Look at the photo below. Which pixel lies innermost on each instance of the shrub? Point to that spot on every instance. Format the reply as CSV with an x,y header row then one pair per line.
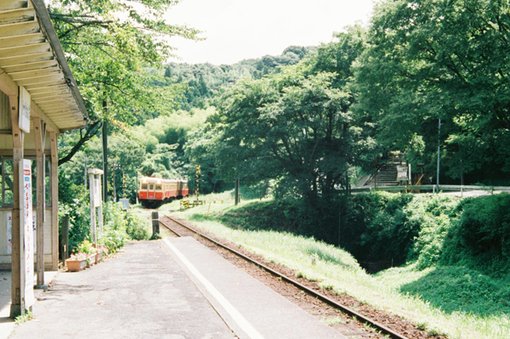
x,y
289,215
269,215
119,225
135,228
480,237
255,191
485,226
85,247
376,228
434,216
113,240
115,227
78,212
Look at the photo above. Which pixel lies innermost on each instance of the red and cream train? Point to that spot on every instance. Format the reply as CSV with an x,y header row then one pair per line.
x,y
153,192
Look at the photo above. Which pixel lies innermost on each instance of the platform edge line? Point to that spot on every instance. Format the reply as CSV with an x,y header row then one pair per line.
x,y
233,313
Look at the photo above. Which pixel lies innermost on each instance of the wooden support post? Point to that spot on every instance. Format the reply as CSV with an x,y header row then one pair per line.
x,y
105,153
155,224
54,200
64,248
237,197
17,157
40,199
100,221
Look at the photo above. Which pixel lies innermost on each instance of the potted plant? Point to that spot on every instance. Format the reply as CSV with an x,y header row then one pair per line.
x,y
101,252
84,257
77,262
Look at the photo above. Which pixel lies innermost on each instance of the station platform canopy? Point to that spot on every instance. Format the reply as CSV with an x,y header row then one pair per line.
x,y
39,98
31,56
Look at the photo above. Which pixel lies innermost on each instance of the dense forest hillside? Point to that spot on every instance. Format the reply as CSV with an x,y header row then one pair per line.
x,y
204,81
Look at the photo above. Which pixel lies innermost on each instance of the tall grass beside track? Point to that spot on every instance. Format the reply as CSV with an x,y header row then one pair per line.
x,y
429,297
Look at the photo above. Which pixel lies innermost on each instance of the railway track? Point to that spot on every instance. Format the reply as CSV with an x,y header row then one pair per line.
x,y
180,229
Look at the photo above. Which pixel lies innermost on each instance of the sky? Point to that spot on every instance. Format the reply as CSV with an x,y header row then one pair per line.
x,y
234,30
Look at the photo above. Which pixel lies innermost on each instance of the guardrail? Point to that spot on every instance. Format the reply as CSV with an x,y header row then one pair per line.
x,y
431,188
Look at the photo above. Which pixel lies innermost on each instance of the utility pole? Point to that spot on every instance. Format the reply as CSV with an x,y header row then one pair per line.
x,y
105,150
237,197
438,153
197,181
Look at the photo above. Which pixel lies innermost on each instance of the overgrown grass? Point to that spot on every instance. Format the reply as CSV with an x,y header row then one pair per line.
x,y
27,316
458,301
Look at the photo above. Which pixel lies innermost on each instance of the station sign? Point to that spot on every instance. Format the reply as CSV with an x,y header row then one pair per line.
x,y
28,236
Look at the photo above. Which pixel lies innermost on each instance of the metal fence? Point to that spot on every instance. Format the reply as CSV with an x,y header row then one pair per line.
x,y
431,188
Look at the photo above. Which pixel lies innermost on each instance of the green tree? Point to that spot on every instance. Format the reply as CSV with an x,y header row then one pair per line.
x,y
308,134
293,126
126,153
437,59
110,45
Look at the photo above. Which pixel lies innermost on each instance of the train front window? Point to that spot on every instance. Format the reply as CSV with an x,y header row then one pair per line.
x,y
144,186
158,187
151,187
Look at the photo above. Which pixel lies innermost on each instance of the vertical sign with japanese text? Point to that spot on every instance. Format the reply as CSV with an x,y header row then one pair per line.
x,y
28,234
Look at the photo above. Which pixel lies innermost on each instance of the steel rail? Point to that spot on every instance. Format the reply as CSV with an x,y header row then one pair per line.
x,y
385,330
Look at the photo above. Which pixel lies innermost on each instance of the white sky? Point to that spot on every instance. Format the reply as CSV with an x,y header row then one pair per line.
x,y
242,29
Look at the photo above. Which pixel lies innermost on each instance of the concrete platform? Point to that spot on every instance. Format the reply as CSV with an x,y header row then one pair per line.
x,y
156,289
140,293
251,308
6,323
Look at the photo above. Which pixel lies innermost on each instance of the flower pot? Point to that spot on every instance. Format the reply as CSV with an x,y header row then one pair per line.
x,y
76,265
99,257
91,260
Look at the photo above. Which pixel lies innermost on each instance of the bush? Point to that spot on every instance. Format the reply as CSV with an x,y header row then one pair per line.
x,y
115,227
267,215
288,215
255,191
388,229
135,227
392,229
480,237
118,227
376,228
85,247
78,212
485,226
434,216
